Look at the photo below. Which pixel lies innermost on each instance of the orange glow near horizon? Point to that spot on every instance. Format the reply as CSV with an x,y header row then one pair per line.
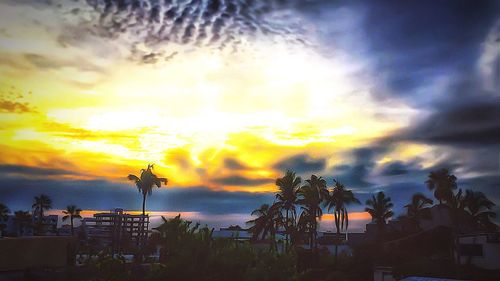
x,y
352,216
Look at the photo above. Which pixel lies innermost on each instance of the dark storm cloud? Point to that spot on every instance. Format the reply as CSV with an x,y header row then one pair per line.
x,y
474,122
301,163
415,42
220,202
357,173
18,193
27,171
395,168
236,180
234,164
489,185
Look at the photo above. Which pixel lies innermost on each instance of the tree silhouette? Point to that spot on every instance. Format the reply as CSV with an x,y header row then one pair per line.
x,y
417,210
4,216
145,184
266,224
443,184
478,206
312,195
42,203
379,208
22,219
286,199
71,212
338,200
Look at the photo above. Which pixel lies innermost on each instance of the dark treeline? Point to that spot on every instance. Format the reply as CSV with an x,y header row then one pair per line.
x,y
190,252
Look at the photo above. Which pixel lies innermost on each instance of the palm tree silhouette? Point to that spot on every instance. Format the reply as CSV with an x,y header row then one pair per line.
x,y
312,195
380,209
71,212
478,206
286,199
443,184
266,224
338,201
145,185
4,216
42,203
417,209
22,219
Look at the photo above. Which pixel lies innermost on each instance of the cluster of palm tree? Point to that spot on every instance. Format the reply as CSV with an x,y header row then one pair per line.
x,y
72,212
472,208
380,208
311,197
41,204
24,220
298,207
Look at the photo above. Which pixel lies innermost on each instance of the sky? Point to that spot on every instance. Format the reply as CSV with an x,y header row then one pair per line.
x,y
225,96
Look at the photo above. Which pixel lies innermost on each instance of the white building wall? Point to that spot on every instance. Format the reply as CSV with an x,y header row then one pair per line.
x,y
491,252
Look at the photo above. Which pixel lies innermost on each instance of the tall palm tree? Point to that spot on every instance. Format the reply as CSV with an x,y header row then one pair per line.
x,y
266,223
312,195
443,184
338,200
379,208
418,209
286,199
145,184
42,203
4,216
478,206
22,219
72,212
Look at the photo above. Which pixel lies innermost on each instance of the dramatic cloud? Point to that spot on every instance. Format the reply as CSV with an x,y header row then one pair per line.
x,y
470,122
234,164
302,163
241,181
227,95
18,193
357,173
148,26
396,168
9,170
416,45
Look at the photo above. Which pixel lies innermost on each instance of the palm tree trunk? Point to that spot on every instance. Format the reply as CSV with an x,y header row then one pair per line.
x,y
40,221
141,232
143,204
338,234
286,230
72,230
